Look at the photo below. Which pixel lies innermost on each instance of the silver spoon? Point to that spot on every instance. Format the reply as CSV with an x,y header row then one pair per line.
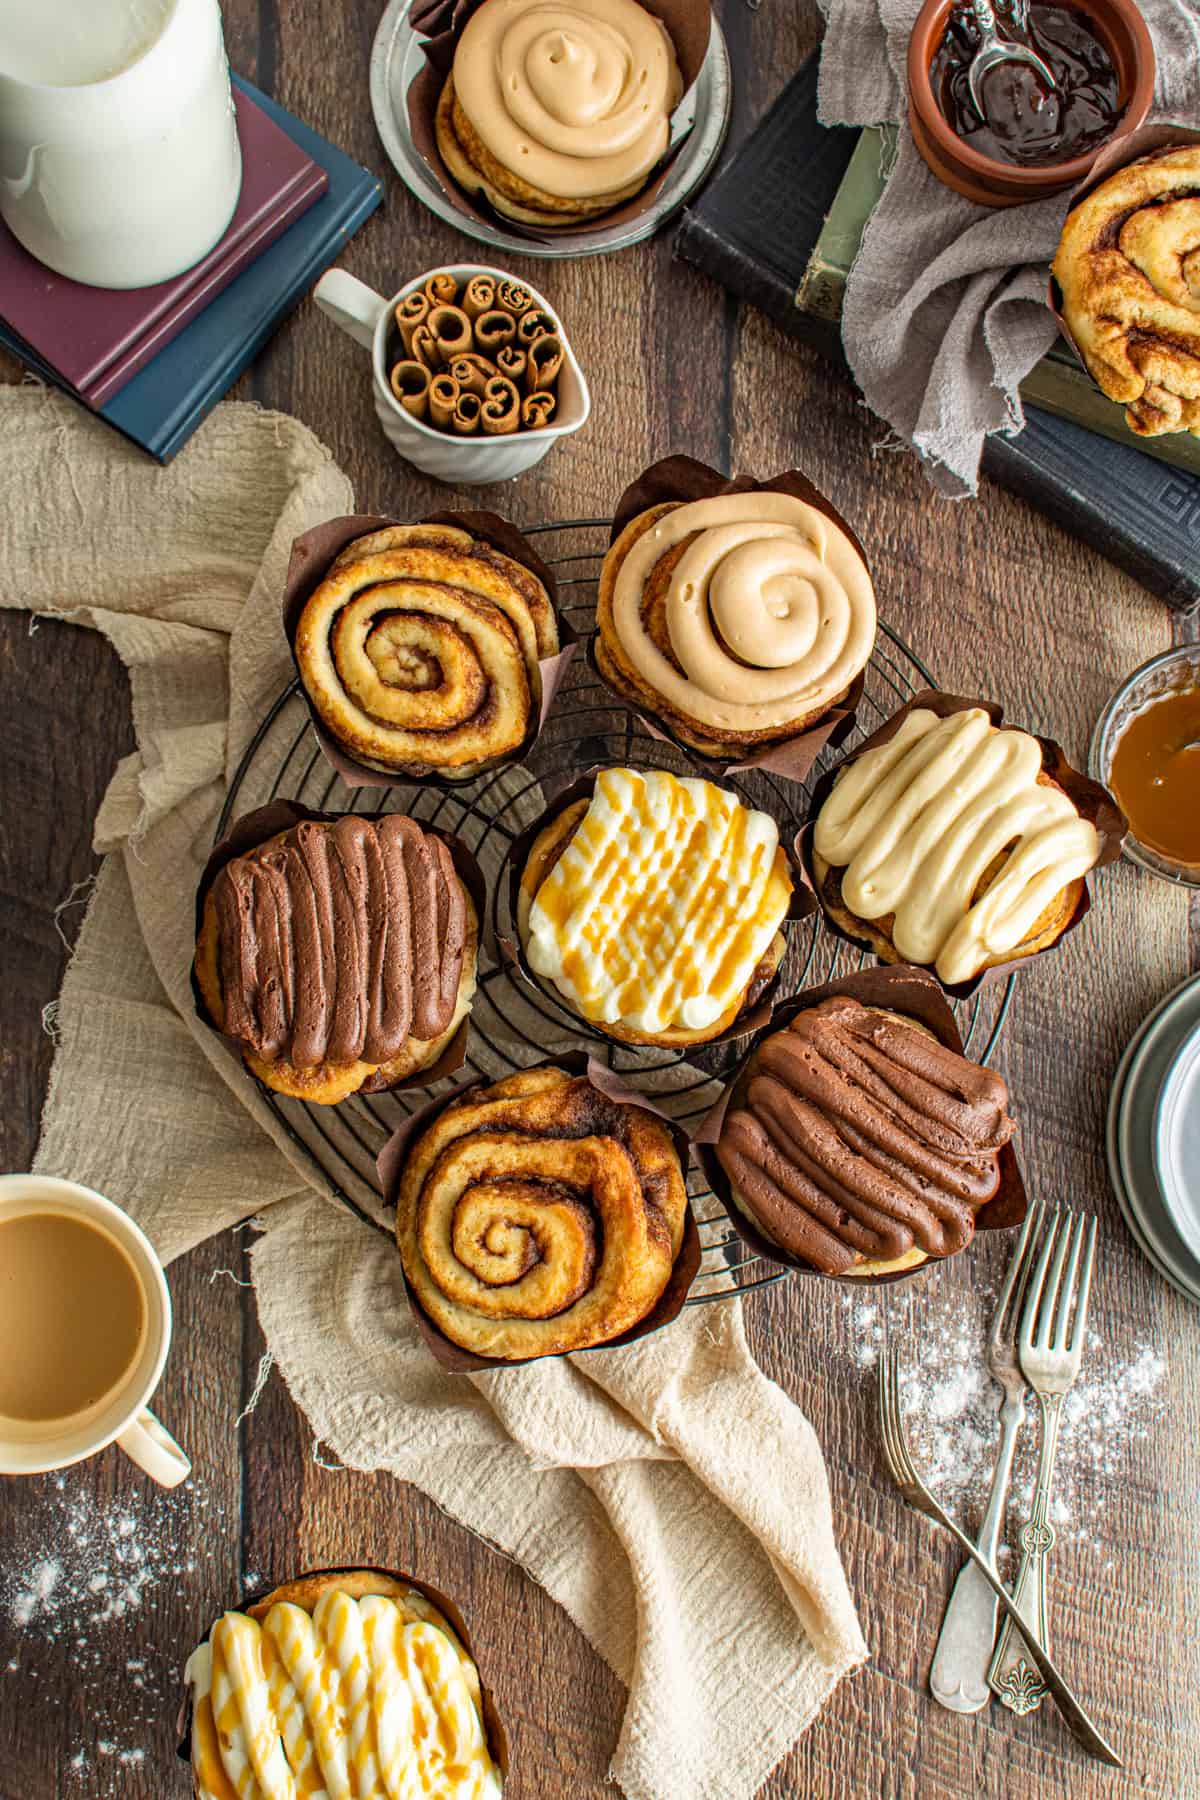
x,y
994,49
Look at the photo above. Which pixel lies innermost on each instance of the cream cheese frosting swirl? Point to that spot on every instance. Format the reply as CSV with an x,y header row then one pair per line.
x,y
359,1701
916,822
770,611
575,96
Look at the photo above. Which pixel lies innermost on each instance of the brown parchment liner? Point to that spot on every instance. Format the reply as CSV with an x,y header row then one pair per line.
x,y
684,479
390,1165
563,792
1149,140
494,1732
1090,800
313,554
897,987
254,828
439,23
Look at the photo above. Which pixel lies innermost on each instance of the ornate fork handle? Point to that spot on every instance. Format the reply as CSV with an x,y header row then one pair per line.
x,y
1012,1676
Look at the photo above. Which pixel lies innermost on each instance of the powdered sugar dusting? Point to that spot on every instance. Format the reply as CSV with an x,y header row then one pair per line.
x,y
80,1572
951,1404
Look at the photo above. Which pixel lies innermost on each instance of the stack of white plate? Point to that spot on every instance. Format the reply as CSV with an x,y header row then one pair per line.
x,y
1154,1137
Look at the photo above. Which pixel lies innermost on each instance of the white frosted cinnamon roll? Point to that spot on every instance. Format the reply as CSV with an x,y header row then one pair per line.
x,y
738,620
556,110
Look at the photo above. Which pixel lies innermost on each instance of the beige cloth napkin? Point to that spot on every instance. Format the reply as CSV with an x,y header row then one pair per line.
x,y
668,1495
945,310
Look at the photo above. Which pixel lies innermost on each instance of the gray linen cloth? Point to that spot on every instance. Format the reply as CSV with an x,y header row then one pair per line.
x,y
945,309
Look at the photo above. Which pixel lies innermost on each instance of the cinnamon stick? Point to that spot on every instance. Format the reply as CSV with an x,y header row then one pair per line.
x,y
410,384
538,410
472,371
466,414
510,362
493,330
444,397
423,348
441,288
501,412
410,312
452,331
479,296
545,358
513,299
534,324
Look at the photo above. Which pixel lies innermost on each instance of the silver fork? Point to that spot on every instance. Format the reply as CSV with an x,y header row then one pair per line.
x,y
896,1454
1050,1349
958,1678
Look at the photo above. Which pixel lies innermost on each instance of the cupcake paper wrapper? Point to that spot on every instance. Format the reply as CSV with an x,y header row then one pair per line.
x,y
314,552
497,1737
390,1166
563,792
899,988
1092,801
684,479
440,23
254,828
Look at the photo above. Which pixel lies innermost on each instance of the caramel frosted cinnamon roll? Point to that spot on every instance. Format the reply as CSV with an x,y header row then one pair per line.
x,y
557,110
1128,266
339,956
861,1143
419,650
332,1673
738,620
654,907
538,1216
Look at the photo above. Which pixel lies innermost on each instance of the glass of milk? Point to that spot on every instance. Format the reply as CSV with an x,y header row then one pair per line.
x,y
119,157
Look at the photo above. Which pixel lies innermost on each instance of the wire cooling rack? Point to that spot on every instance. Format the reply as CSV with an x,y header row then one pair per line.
x,y
511,1026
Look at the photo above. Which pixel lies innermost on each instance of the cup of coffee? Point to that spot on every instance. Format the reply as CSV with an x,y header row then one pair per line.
x,y
85,1325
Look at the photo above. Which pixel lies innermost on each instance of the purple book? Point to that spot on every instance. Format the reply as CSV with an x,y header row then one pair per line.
x,y
98,338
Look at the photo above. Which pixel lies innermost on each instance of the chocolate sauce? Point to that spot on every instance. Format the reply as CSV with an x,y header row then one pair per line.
x,y
1024,123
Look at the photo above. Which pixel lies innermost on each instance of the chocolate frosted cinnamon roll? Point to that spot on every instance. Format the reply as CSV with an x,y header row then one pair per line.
x,y
557,112
538,1216
862,1144
1128,266
339,956
419,650
737,620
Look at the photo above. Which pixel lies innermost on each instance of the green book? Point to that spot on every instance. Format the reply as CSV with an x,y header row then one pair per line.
x,y
1059,384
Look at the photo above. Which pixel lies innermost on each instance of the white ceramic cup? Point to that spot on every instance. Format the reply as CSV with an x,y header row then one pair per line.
x,y
120,164
463,461
121,1416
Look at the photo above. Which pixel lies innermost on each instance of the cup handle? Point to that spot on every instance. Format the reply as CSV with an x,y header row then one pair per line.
x,y
154,1449
351,304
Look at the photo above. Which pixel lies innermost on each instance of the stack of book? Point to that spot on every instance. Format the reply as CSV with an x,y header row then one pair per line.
x,y
781,226
152,362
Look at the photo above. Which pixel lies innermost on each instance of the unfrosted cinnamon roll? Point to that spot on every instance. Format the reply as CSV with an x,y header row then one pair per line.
x,y
1128,267
352,1670
557,110
339,956
738,620
860,1144
538,1216
419,650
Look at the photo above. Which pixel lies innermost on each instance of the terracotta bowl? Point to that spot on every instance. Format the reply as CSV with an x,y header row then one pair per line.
x,y
982,178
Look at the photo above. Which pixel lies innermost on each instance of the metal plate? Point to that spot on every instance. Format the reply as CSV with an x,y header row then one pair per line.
x,y
512,1028
699,125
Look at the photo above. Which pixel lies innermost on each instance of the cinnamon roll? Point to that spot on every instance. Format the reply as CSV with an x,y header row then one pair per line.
x,y
557,110
951,846
351,1670
419,650
338,956
1128,267
538,1216
653,909
860,1144
736,620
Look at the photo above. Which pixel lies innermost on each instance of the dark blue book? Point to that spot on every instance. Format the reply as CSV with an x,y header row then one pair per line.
x,y
162,405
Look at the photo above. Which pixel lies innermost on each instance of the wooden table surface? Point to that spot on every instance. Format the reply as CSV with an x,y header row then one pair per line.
x,y
991,596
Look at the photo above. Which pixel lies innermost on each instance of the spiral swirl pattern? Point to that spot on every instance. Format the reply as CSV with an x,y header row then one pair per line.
x,y
420,650
1128,266
538,1216
741,618
572,98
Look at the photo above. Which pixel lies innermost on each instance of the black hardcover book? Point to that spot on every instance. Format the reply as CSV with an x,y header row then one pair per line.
x,y
754,229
